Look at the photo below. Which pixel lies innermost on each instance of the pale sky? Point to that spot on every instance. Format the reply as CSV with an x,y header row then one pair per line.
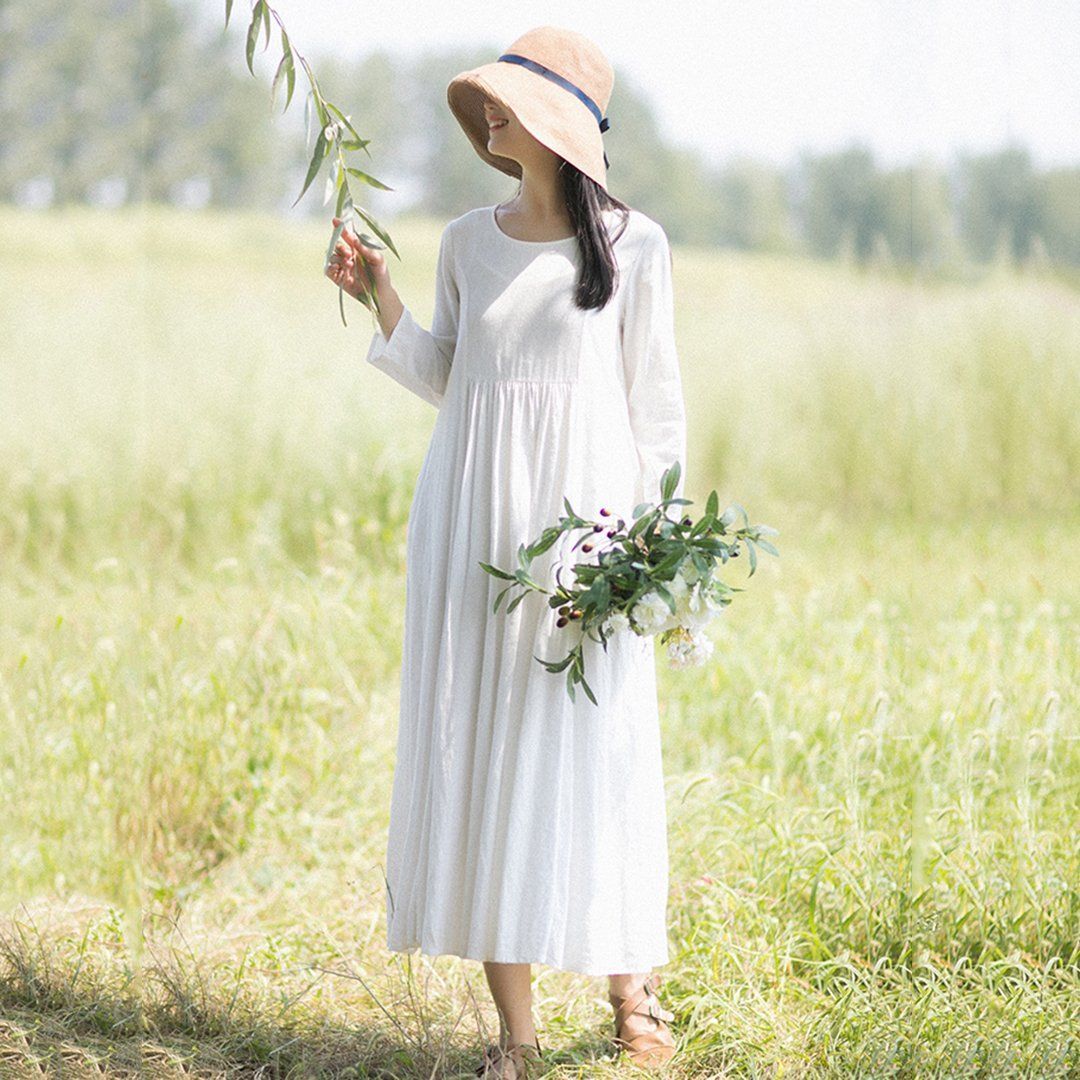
x,y
769,78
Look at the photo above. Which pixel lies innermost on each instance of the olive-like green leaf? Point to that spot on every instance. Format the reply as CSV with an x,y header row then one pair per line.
x,y
669,481
547,539
496,572
670,563
588,690
555,666
228,11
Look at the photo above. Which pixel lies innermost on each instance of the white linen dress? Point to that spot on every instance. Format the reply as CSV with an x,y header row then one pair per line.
x,y
526,827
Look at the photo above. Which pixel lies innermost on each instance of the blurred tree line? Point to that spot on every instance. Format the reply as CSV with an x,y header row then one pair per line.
x,y
116,101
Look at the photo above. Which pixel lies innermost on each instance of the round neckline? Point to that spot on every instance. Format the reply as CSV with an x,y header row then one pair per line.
x,y
528,243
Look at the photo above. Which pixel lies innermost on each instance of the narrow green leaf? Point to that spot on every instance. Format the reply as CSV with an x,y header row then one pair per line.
x,y
253,35
342,199
316,93
669,481
495,571
321,148
228,11
588,690
555,666
343,118
290,68
335,236
377,229
290,81
369,180
277,79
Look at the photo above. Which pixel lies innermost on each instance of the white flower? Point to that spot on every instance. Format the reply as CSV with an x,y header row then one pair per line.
x,y
652,613
689,649
615,622
700,607
677,650
702,648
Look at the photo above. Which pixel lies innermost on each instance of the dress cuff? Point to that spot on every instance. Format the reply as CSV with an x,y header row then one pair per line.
x,y
387,354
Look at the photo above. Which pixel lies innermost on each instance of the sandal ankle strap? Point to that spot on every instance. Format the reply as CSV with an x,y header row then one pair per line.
x,y
645,996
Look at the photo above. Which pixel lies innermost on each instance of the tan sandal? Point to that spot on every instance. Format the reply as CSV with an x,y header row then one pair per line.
x,y
653,1047
508,1063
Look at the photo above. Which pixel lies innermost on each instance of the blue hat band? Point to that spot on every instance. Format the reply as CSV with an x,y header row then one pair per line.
x,y
566,84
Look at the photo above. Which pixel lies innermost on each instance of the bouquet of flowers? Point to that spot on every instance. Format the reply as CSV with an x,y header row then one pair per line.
x,y
657,577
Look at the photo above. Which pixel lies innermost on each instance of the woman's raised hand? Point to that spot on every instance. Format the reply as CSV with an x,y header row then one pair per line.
x,y
357,268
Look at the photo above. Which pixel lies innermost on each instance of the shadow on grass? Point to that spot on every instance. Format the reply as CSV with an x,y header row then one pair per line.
x,y
72,1008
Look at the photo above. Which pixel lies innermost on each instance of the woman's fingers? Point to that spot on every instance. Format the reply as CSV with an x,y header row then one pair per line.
x,y
347,236
355,244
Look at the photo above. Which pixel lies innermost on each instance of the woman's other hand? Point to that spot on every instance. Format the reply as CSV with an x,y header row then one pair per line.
x,y
357,268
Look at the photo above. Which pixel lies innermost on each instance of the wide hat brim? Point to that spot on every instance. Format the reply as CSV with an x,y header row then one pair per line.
x,y
554,116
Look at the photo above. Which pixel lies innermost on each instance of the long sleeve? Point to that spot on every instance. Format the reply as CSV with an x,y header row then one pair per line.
x,y
651,367
419,359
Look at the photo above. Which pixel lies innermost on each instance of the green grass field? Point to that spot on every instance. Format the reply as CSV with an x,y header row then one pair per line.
x,y
873,789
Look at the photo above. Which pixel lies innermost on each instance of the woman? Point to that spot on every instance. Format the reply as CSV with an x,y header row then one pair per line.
x,y
526,827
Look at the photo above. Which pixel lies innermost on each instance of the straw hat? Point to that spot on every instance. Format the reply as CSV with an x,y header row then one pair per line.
x,y
558,84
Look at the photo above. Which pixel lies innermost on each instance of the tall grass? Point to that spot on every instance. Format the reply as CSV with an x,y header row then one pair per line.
x,y
872,790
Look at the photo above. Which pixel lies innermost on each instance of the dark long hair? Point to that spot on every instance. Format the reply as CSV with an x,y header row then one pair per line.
x,y
585,202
